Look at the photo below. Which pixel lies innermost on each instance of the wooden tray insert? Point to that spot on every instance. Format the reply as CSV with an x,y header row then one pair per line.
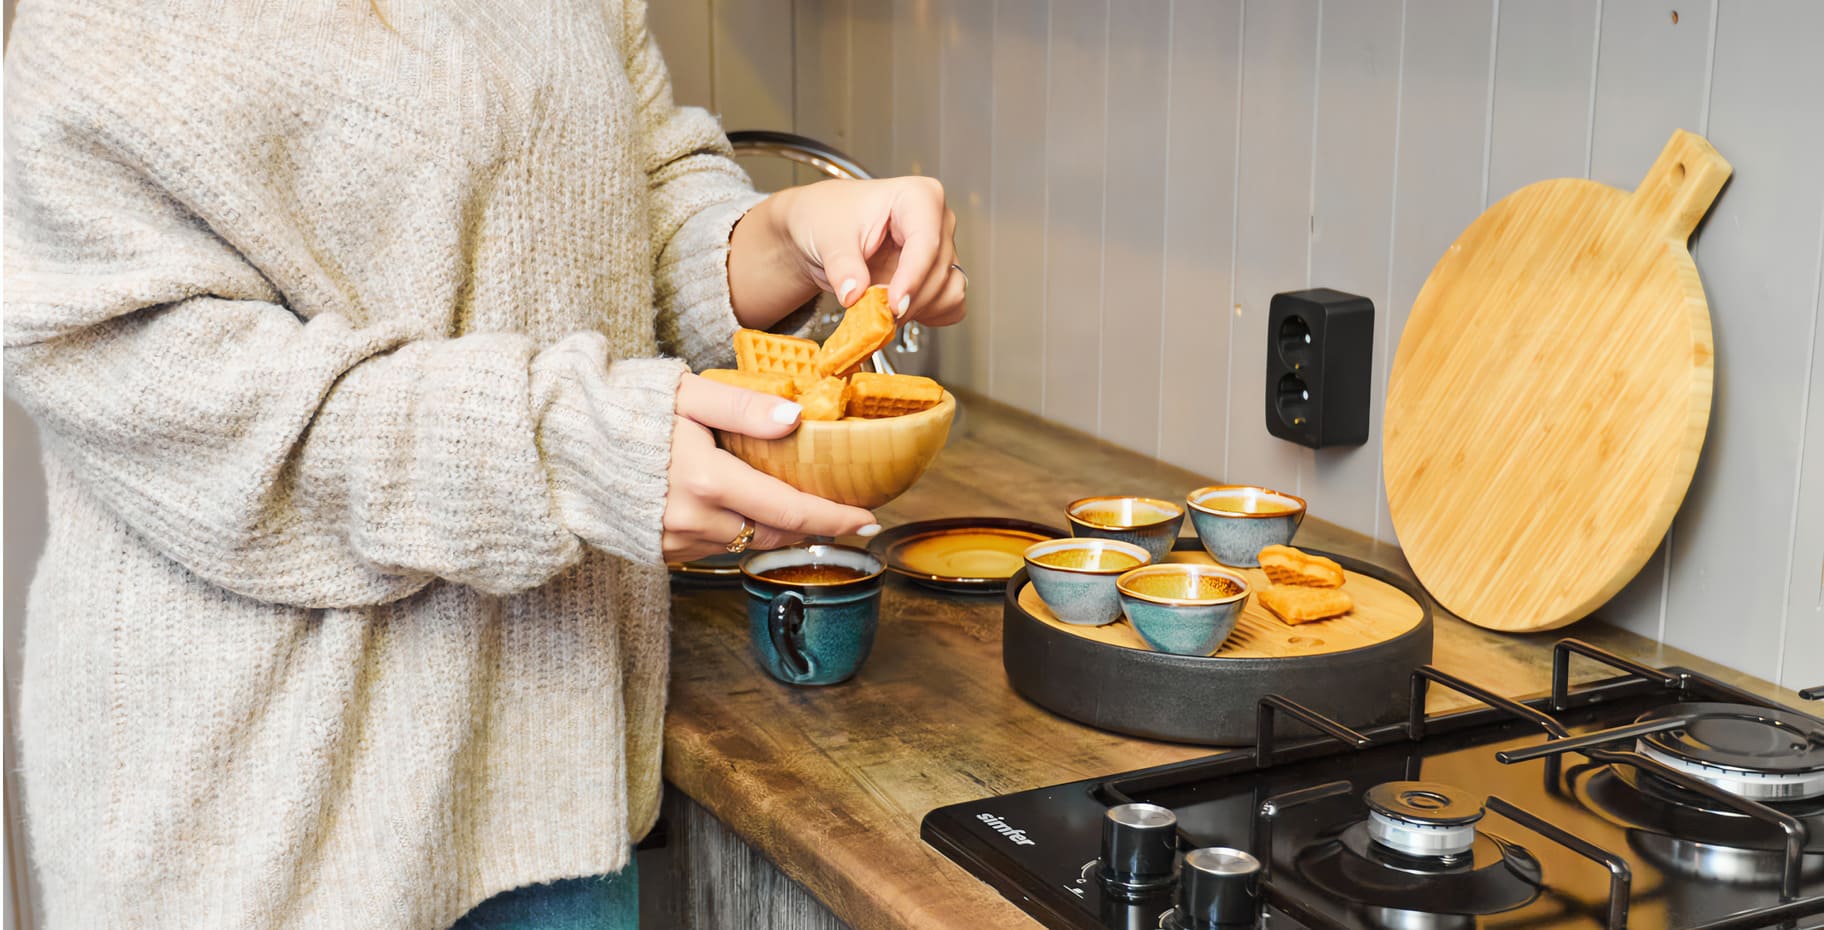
x,y
1381,613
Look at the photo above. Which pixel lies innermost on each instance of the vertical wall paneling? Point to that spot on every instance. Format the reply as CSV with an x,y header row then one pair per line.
x,y
1352,219
1759,262
870,84
1802,653
1134,223
1652,77
1442,148
1076,112
966,35
820,70
917,87
1279,92
751,57
1018,236
682,30
1200,147
1544,73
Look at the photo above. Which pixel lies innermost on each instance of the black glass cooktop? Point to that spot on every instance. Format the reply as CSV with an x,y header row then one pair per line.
x,y
1585,838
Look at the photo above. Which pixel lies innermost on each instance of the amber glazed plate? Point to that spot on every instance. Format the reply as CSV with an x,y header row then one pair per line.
x,y
966,555
721,569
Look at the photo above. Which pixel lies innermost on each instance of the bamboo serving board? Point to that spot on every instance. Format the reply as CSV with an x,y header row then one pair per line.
x,y
1550,394
1381,613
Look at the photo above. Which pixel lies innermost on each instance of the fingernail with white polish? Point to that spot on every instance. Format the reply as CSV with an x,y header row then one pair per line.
x,y
787,412
872,529
847,286
905,303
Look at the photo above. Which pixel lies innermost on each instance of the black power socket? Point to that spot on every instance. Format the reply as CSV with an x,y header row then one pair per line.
x,y
1320,362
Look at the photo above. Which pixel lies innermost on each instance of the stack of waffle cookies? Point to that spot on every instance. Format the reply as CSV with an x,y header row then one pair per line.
x,y
1304,587
827,380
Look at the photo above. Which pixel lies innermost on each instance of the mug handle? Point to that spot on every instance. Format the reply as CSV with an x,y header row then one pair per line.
x,y
785,624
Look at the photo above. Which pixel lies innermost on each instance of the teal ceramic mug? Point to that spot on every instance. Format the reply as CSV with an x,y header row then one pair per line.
x,y
812,610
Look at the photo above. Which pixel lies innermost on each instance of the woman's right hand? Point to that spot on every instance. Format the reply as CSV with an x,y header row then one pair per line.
x,y
712,493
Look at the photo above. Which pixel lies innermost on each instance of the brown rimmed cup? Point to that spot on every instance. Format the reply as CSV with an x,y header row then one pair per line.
x,y
1147,522
1184,608
1076,577
1236,521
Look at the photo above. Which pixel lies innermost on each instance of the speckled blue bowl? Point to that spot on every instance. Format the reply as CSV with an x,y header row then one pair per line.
x,y
1169,609
1082,591
1147,522
1236,521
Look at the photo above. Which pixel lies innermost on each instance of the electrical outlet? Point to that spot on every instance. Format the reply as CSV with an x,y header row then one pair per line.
x,y
1320,362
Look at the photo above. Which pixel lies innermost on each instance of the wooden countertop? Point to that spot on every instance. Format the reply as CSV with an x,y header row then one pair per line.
x,y
831,783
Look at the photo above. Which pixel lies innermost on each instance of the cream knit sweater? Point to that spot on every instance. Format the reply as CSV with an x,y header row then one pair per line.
x,y
344,331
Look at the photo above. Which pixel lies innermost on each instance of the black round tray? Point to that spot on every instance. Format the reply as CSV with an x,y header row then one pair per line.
x,y
1208,700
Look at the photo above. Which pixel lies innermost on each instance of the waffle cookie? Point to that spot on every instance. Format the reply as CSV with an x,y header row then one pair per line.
x,y
764,382
771,353
1297,604
865,328
876,396
825,400
1286,565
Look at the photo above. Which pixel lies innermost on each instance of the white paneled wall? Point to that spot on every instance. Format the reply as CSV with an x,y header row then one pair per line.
x,y
1135,180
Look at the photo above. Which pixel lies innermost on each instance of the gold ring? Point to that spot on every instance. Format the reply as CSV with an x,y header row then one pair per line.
x,y
743,538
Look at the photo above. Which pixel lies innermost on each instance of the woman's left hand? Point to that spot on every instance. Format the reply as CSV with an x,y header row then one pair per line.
x,y
843,236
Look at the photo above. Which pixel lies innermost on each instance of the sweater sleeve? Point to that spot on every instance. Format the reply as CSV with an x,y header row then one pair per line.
x,y
697,195
326,462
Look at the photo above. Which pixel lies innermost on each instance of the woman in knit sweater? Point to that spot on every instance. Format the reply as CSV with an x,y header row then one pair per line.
x,y
358,337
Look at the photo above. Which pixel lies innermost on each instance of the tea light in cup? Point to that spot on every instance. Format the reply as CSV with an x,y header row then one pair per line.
x,y
1076,577
1147,522
1235,522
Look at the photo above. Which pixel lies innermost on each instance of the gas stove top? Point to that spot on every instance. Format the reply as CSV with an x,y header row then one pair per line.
x,y
1660,798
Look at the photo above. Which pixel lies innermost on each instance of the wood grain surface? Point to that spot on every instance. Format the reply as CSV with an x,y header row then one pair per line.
x,y
1551,392
831,783
1381,613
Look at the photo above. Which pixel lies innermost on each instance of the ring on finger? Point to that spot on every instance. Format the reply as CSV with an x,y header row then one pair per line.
x,y
744,538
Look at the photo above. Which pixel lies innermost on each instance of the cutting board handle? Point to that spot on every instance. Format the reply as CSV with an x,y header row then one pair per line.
x,y
1682,183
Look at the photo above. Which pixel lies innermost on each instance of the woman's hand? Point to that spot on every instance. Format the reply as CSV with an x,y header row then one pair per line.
x,y
714,495
842,236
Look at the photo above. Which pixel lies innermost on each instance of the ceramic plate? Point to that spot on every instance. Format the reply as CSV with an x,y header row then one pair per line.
x,y
716,569
968,555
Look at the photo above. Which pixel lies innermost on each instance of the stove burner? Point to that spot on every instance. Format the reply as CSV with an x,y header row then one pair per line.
x,y
1636,800
1422,818
1490,877
1732,865
1760,753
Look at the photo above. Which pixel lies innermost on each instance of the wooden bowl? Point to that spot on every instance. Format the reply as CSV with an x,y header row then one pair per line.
x,y
863,463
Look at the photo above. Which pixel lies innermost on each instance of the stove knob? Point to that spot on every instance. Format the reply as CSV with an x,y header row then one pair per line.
x,y
1217,889
1139,847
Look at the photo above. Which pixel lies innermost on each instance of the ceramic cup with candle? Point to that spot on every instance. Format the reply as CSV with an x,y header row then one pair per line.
x,y
812,610
1185,608
1076,577
1147,522
1235,522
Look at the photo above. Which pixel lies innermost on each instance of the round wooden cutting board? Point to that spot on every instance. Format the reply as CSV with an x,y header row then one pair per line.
x,y
1550,394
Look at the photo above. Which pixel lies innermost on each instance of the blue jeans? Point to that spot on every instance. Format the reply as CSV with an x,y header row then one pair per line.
x,y
605,902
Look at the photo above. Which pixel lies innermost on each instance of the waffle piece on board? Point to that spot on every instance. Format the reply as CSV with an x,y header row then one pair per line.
x,y
1286,565
825,400
876,396
764,382
1297,604
771,353
865,328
